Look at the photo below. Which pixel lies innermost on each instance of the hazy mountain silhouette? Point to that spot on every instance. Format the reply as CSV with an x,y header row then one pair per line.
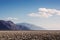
x,y
31,26
9,25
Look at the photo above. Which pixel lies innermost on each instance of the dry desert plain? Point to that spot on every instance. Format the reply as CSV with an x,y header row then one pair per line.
x,y
30,35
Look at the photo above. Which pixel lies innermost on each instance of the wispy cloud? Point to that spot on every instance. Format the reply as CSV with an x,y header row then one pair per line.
x,y
15,20
11,18
44,12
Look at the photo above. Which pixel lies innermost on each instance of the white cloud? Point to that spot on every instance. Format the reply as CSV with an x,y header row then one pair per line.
x,y
10,18
15,20
44,12
34,15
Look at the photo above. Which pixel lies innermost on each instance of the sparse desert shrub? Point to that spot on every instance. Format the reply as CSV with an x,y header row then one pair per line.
x,y
29,35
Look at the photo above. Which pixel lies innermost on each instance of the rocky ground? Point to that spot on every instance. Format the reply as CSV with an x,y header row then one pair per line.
x,y
29,35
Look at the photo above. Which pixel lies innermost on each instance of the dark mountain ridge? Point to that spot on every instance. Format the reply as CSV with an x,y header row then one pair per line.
x,y
9,25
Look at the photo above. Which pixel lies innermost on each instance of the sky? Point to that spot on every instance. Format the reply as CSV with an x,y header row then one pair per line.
x,y
43,13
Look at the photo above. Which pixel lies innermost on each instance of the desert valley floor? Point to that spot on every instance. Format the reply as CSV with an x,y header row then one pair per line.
x,y
30,35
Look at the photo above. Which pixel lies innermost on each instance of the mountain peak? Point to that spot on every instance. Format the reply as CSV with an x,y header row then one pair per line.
x,y
9,25
31,26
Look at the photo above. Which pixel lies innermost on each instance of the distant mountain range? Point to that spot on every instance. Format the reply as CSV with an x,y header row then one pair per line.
x,y
9,25
30,26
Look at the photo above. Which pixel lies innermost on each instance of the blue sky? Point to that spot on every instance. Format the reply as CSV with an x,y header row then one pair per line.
x,y
45,13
